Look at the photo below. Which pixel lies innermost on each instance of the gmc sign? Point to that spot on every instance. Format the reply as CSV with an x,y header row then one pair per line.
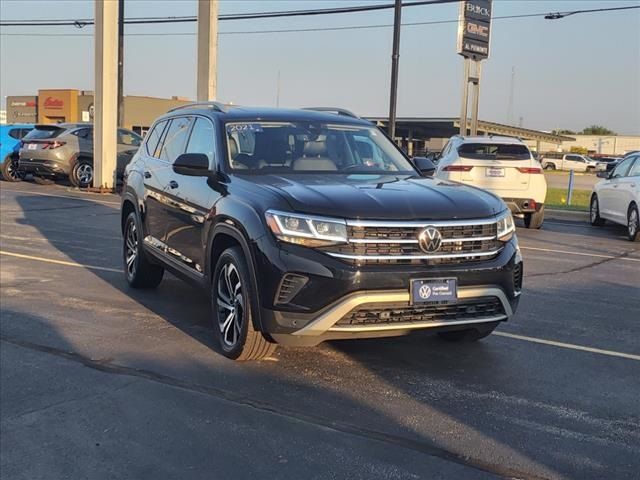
x,y
474,29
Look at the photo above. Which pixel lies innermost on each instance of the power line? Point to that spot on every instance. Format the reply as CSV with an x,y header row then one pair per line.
x,y
292,30
245,16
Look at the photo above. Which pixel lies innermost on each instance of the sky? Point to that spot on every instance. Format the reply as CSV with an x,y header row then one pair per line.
x,y
569,73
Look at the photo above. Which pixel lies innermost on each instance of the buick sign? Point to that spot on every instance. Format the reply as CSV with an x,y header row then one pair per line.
x,y
474,29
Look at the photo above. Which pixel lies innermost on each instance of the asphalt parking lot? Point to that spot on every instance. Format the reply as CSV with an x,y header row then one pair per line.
x,y
102,382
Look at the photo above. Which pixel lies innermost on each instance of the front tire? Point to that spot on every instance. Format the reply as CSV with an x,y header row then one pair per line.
x,y
594,212
10,172
633,223
232,305
139,272
82,174
534,220
469,335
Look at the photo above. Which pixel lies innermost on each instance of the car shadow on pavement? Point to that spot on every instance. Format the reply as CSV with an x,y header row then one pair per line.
x,y
446,401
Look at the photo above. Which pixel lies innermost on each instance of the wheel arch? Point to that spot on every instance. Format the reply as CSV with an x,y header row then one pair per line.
x,y
225,235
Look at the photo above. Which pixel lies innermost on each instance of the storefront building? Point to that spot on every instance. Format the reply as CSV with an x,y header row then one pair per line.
x,y
73,106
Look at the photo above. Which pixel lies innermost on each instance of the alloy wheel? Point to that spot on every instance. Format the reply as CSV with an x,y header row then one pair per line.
x,y
131,250
12,170
85,173
230,303
633,222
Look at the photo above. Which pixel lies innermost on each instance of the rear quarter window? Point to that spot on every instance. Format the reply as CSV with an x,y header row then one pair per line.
x,y
494,151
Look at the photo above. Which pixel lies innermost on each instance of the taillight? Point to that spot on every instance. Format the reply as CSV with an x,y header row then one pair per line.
x,y
458,168
532,170
52,145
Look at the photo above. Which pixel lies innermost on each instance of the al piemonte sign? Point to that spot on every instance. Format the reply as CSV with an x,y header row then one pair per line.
x,y
53,103
474,29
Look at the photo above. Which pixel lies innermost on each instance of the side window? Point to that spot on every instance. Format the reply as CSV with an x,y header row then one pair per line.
x,y
15,133
24,131
202,139
128,138
575,158
176,138
84,133
623,168
635,169
153,137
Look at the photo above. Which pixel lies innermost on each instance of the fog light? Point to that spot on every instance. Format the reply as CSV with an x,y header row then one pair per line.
x,y
290,286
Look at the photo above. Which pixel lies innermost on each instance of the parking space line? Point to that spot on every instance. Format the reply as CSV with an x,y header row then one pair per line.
x,y
59,262
613,257
570,346
4,189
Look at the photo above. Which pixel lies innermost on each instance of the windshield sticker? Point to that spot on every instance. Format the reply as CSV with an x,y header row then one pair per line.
x,y
244,127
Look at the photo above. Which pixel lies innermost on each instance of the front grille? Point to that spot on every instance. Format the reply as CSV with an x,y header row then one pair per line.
x,y
389,314
397,243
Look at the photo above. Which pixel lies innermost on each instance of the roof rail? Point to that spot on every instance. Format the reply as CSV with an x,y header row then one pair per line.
x,y
336,110
217,106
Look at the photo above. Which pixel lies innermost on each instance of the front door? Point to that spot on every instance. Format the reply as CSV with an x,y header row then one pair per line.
x,y
185,238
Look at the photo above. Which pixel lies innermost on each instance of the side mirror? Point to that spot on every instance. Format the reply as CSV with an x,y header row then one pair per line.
x,y
192,165
424,166
603,174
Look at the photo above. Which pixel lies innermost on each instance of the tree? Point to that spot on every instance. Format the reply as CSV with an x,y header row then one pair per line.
x,y
597,130
563,131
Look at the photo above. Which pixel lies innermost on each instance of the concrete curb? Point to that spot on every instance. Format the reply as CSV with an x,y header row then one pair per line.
x,y
567,214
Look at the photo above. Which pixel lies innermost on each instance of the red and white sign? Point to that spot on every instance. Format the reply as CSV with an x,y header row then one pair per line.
x,y
53,103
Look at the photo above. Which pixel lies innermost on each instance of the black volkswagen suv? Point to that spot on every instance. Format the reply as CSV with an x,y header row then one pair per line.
x,y
309,225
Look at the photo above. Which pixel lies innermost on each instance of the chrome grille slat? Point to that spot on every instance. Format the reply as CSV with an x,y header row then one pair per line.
x,y
374,242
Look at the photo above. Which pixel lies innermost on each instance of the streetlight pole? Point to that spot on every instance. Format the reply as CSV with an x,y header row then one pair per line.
x,y
395,58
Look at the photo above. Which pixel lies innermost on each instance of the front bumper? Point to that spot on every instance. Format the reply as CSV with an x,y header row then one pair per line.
x,y
338,295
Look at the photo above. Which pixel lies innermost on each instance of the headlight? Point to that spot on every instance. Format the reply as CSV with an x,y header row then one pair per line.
x,y
506,227
305,229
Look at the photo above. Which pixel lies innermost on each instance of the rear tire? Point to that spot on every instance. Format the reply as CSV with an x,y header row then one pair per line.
x,y
232,305
549,166
594,212
10,172
534,220
139,272
82,174
469,335
633,223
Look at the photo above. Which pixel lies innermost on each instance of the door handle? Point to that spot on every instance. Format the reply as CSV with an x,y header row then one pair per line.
x,y
173,184
615,186
633,185
147,174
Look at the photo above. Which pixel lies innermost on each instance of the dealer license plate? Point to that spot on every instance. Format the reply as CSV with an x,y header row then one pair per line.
x,y
32,146
434,290
495,172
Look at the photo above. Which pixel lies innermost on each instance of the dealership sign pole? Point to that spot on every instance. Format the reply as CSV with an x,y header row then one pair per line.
x,y
474,34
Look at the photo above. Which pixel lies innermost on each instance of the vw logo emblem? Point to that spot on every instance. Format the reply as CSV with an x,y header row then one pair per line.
x,y
424,292
430,240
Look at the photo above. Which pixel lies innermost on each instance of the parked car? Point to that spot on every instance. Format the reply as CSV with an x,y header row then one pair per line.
x,y
568,161
10,136
617,197
606,164
502,165
66,150
300,235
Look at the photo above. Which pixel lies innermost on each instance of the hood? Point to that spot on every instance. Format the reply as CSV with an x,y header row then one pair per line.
x,y
377,197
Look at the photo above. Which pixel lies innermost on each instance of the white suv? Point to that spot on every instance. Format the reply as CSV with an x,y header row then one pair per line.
x,y
502,165
617,198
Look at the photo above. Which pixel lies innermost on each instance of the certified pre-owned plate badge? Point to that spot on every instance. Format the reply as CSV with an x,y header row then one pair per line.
x,y
439,290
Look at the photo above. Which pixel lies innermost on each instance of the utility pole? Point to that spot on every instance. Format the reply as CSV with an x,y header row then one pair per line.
x,y
510,114
278,91
121,63
207,50
395,58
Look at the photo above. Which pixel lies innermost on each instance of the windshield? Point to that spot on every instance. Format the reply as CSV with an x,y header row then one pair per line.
x,y
493,151
303,147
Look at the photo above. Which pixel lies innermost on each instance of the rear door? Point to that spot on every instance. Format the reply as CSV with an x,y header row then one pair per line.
x,y
128,144
626,188
575,162
498,167
156,178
